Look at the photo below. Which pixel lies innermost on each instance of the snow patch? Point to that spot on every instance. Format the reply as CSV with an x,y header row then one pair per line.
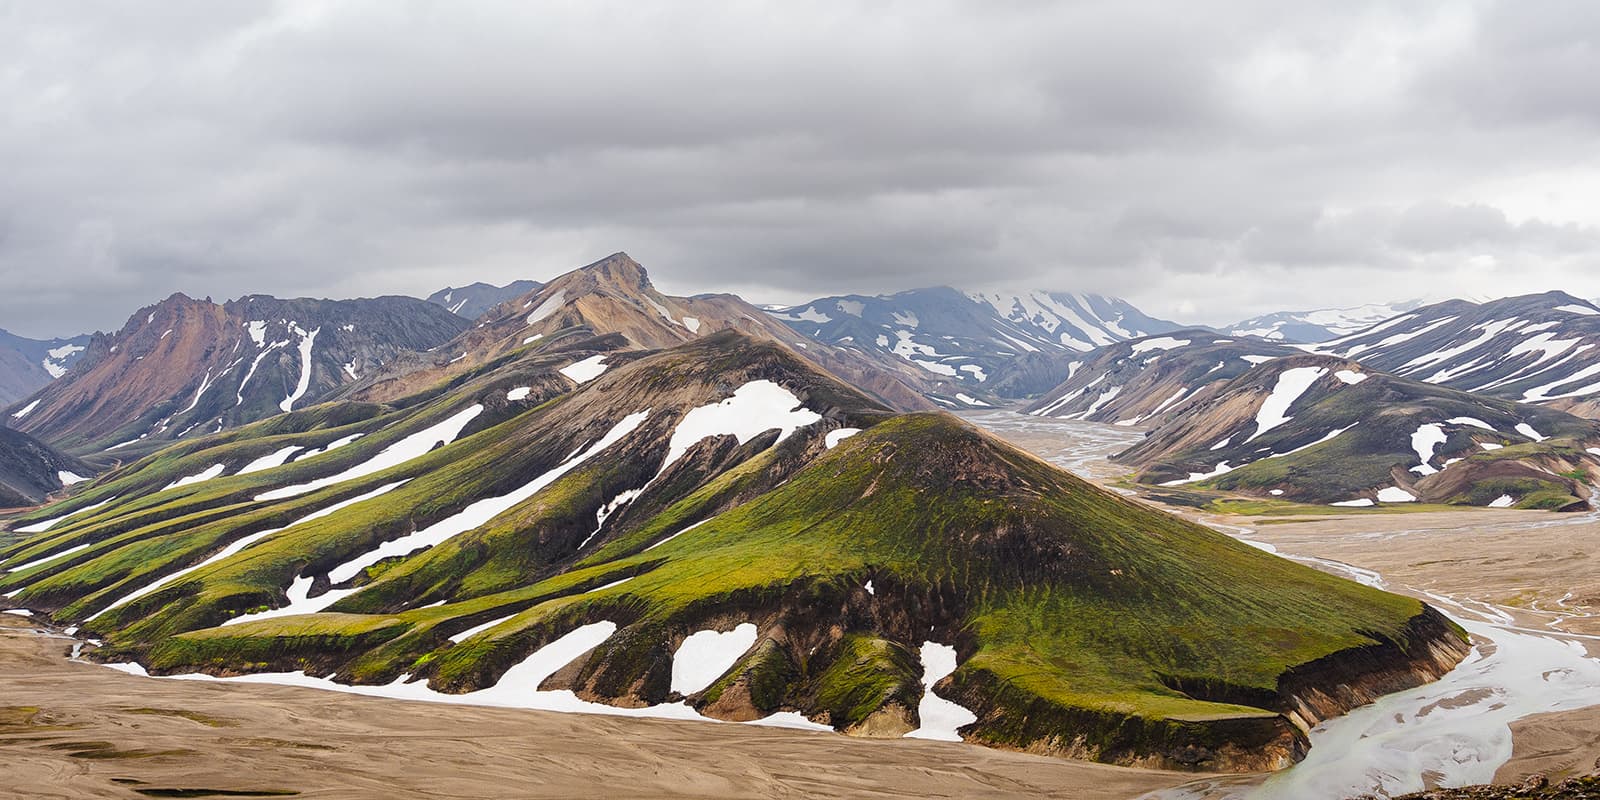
x,y
1159,343
49,558
1395,494
277,458
480,512
1291,384
300,387
837,435
1527,430
940,717
754,408
1350,376
519,393
1357,503
705,655
1503,501
25,410
585,370
1425,440
68,477
417,444
200,477
551,305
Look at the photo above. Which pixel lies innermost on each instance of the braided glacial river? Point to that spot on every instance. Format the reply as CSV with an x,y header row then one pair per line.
x,y
1516,581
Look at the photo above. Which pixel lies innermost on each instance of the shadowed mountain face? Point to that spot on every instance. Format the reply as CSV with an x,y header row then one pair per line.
x,y
185,368
1320,429
993,344
614,296
1539,348
30,470
721,525
28,364
472,300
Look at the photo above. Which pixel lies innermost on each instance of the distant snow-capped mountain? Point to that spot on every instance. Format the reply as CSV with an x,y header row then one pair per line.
x,y
27,364
1542,348
1319,325
472,300
1005,343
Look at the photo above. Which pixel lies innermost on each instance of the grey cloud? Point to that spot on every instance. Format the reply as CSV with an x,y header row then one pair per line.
x,y
1208,162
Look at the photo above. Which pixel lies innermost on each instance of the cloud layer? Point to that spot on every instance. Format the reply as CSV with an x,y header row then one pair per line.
x,y
1207,161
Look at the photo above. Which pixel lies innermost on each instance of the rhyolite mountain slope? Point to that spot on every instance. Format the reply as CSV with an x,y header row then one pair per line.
x,y
472,300
1149,380
717,529
1320,429
614,296
31,470
1319,325
1537,348
186,367
27,364
1006,344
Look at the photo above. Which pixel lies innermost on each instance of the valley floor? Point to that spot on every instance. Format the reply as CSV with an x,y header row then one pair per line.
x,y
76,730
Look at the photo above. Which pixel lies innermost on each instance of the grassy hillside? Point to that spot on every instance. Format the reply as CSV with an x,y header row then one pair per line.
x,y
1084,624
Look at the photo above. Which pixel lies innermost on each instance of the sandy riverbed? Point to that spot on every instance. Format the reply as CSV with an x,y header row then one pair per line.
x,y
74,730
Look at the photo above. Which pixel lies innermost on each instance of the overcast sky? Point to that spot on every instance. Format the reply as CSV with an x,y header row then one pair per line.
x,y
1208,161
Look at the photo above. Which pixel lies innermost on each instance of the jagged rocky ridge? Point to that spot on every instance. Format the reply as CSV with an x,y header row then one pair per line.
x,y
626,508
186,367
614,296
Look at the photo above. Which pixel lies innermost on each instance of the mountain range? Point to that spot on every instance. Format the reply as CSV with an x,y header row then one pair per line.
x,y
588,495
1320,325
991,344
1265,420
1539,348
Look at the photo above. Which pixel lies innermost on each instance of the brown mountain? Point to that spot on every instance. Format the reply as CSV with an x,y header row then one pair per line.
x,y
187,367
614,296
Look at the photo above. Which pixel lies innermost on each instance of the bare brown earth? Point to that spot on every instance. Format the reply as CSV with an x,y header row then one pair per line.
x,y
74,730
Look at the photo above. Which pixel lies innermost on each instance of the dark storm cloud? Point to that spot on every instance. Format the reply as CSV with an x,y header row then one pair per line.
x,y
1208,162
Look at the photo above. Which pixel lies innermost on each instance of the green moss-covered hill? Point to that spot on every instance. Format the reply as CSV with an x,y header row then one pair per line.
x,y
1085,624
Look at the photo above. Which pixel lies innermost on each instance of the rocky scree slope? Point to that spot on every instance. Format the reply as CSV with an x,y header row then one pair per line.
x,y
28,364
1538,348
991,344
716,529
1153,379
185,367
614,296
1319,429
472,300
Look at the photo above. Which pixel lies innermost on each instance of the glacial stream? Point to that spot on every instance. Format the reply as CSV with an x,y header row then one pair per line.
x,y
1452,732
